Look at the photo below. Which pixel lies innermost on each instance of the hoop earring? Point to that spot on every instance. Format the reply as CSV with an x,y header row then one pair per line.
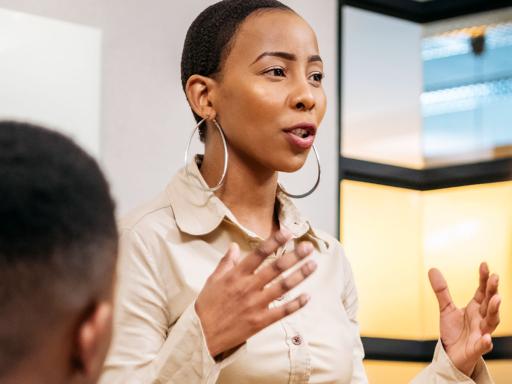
x,y
316,182
224,171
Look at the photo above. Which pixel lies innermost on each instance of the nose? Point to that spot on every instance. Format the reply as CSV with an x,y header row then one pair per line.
x,y
303,98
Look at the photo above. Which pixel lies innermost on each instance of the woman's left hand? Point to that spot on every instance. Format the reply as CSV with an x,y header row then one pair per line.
x,y
466,332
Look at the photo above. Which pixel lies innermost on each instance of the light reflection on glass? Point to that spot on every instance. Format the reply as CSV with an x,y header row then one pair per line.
x,y
467,98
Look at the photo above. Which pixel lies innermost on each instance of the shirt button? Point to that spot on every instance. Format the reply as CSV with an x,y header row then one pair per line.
x,y
297,340
253,243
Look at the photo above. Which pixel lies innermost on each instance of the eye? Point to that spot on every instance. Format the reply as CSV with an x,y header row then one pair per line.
x,y
277,72
317,77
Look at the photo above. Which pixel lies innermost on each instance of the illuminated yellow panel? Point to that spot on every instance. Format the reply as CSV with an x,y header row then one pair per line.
x,y
463,227
501,370
381,233
393,235
390,372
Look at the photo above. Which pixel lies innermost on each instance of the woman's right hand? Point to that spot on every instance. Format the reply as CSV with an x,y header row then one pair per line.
x,y
234,303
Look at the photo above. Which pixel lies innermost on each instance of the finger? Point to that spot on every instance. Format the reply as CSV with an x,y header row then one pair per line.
x,y
440,288
491,290
228,261
276,314
483,345
279,288
265,249
482,286
288,260
492,319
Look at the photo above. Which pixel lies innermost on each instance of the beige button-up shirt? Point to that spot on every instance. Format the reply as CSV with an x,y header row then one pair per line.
x,y
170,246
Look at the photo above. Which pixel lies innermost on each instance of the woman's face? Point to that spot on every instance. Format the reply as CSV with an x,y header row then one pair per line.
x,y
269,98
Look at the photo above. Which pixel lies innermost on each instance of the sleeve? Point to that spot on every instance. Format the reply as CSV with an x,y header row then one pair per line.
x,y
146,347
351,303
442,371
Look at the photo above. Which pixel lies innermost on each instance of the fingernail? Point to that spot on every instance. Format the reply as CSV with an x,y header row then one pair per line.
x,y
304,249
284,234
304,299
285,231
312,266
233,248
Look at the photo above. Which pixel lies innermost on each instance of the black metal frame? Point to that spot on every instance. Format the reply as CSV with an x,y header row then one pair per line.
x,y
422,350
425,12
426,179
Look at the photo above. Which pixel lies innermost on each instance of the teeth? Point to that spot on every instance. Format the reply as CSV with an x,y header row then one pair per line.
x,y
301,132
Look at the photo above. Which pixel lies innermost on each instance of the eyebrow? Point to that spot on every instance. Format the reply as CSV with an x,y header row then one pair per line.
x,y
287,56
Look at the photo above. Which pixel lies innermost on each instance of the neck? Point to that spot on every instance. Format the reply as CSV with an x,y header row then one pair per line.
x,y
249,190
31,377
37,370
49,362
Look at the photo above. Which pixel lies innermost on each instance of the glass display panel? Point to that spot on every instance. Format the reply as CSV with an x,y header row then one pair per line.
x,y
392,236
467,98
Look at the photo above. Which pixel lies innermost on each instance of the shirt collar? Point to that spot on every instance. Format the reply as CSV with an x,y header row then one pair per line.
x,y
196,211
199,212
291,218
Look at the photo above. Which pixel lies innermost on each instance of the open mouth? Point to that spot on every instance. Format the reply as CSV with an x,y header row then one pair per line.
x,y
301,135
301,132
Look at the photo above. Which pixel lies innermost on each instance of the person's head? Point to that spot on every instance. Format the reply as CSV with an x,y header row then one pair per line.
x,y
58,247
254,66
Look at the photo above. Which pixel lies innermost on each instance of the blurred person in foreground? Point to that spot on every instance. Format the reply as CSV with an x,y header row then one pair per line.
x,y
58,247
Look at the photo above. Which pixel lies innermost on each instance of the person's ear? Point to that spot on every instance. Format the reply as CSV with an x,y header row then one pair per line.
x,y
93,340
200,92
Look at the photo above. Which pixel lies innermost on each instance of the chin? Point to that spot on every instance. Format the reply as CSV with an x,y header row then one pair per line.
x,y
292,164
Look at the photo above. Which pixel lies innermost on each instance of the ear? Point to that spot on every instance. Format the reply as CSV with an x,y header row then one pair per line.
x,y
200,92
93,340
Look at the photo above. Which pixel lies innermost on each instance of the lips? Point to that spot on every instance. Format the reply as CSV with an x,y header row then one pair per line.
x,y
301,135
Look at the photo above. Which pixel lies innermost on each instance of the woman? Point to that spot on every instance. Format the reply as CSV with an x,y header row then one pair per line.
x,y
252,74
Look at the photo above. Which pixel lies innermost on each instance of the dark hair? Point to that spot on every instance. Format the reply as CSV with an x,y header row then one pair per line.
x,y
210,35
58,237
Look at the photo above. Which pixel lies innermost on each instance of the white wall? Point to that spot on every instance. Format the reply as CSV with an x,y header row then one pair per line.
x,y
382,85
145,119
45,63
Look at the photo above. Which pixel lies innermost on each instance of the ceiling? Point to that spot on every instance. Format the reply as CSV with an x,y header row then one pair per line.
x,y
425,11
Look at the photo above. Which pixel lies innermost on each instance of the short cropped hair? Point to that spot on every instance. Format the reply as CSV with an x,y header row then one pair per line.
x,y
58,236
210,36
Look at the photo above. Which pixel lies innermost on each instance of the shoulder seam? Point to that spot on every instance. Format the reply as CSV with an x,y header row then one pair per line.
x,y
139,219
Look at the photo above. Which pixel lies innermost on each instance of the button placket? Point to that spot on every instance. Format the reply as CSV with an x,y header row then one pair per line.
x,y
253,243
300,355
288,247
